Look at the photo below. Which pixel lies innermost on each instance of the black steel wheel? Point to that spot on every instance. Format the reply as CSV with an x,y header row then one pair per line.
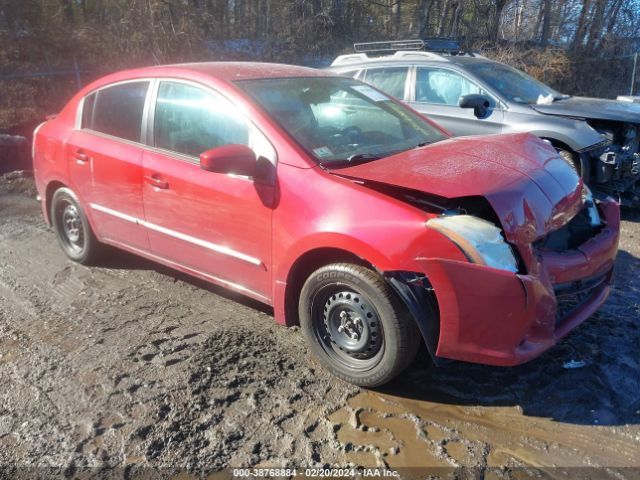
x,y
356,325
72,228
350,330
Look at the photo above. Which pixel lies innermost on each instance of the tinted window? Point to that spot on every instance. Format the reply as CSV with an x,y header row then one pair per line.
x,y
118,110
191,121
435,85
390,80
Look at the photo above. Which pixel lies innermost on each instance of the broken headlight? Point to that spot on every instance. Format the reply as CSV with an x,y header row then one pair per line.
x,y
481,241
590,205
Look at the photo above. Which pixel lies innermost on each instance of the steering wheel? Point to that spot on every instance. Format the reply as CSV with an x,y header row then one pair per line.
x,y
352,132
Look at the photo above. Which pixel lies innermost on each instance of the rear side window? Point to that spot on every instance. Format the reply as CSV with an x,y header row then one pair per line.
x,y
87,110
190,121
116,110
390,80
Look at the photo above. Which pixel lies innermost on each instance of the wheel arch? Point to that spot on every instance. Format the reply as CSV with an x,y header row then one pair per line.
x,y
51,188
306,264
417,297
559,144
581,160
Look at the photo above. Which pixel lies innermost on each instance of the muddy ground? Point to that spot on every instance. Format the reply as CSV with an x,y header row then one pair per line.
x,y
128,365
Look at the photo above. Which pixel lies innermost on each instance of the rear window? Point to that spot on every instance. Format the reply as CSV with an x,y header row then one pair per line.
x,y
117,110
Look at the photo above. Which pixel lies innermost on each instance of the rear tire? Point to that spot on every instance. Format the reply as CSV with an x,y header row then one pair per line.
x,y
72,228
356,325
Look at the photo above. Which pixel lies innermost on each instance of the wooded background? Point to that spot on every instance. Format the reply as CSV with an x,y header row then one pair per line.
x,y
48,47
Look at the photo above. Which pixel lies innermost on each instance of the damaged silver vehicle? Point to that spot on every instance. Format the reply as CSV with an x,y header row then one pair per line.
x,y
469,94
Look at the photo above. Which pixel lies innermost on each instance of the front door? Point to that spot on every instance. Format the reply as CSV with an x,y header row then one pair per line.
x,y
437,94
215,224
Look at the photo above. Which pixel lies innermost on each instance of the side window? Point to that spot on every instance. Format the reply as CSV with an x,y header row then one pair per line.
x,y
390,80
116,110
351,73
87,110
435,85
190,120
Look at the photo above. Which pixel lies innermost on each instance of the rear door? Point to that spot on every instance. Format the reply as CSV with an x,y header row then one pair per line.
x,y
436,93
392,80
216,224
105,161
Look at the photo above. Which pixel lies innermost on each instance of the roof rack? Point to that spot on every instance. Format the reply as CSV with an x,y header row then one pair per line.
x,y
436,45
441,49
351,58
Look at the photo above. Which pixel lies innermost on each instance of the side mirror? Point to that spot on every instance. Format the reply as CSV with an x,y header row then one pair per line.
x,y
236,159
479,103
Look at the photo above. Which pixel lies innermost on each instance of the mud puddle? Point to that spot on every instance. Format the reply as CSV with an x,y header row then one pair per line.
x,y
384,430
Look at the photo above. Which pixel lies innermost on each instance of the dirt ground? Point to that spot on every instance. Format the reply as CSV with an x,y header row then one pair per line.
x,y
129,365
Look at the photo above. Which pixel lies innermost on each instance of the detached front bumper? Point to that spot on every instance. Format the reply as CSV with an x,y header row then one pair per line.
x,y
500,318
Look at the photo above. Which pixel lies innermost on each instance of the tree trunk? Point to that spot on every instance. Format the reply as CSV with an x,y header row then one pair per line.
x,y
581,28
597,22
494,31
443,18
521,8
455,17
546,23
423,17
613,16
397,12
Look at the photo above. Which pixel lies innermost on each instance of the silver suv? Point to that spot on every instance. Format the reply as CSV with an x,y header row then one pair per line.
x,y
469,94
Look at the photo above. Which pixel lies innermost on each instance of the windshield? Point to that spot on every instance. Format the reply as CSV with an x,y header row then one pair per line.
x,y
340,119
513,84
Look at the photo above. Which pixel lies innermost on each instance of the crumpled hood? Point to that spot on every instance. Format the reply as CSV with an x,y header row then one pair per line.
x,y
596,108
531,189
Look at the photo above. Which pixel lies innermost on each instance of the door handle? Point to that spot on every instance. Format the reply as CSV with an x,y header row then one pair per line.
x,y
81,157
156,182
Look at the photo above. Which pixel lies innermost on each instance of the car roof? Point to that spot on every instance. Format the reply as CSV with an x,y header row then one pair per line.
x,y
360,60
231,71
226,72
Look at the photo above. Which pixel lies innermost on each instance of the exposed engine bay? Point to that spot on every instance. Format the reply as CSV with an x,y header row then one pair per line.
x,y
614,169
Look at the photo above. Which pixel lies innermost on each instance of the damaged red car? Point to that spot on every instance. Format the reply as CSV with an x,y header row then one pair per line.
x,y
348,212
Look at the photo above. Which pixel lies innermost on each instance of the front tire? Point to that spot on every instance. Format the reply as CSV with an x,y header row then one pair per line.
x,y
356,325
571,158
72,228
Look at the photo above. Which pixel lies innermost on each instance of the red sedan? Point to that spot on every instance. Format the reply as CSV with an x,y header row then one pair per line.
x,y
347,211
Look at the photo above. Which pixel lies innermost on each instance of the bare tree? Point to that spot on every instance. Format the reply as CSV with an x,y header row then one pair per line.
x,y
581,27
546,22
597,22
423,16
494,30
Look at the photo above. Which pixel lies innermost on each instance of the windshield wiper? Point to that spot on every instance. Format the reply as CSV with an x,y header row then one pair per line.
x,y
359,157
561,97
350,161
